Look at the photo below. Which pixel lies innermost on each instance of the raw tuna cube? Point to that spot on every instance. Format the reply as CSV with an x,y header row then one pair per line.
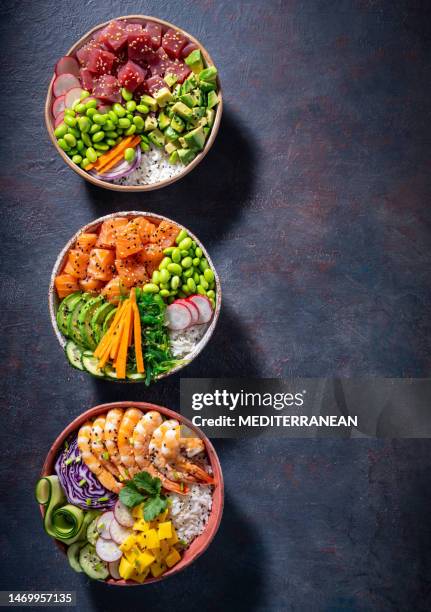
x,y
188,49
107,88
153,84
87,79
155,32
114,36
133,27
131,75
139,46
179,69
100,62
173,43
82,55
159,62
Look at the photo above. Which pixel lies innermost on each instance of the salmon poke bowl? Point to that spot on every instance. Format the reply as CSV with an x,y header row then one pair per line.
x,y
131,492
134,105
133,297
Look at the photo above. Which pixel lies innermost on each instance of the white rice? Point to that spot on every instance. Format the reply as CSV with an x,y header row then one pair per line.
x,y
154,167
190,513
185,340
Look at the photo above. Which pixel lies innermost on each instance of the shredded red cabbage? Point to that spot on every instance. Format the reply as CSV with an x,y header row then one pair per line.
x,y
80,485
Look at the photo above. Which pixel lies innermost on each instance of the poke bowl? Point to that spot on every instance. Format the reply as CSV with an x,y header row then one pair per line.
x,y
132,492
133,297
134,105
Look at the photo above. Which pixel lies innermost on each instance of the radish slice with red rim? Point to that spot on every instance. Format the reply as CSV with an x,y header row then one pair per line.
x,y
72,96
113,568
103,525
194,312
67,65
178,316
58,106
63,83
123,515
203,304
59,119
108,550
118,532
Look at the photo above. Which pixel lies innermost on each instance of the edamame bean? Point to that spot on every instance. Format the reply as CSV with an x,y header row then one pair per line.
x,y
94,128
203,282
108,125
203,265
69,120
174,268
127,95
164,286
85,163
175,282
63,144
99,119
181,236
187,262
188,273
191,285
142,108
212,300
101,147
70,139
168,251
80,145
176,255
130,131
165,262
77,159
196,261
61,130
74,131
124,123
196,277
98,136
185,289
209,275
211,294
185,244
144,146
113,117
86,139
80,108
84,94
129,154
139,122
72,152
119,110
200,290
111,142
184,253
198,252
164,276
129,117
165,292
69,112
150,288
145,139
84,124
131,106
91,112
155,278
91,104
91,154
111,134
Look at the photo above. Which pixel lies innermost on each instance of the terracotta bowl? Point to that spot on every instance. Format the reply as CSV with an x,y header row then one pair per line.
x,y
53,300
199,544
49,119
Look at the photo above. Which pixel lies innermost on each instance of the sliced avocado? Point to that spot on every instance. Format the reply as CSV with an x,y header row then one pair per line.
x,y
98,319
150,102
84,321
73,330
210,114
157,138
64,310
186,87
195,139
209,74
207,86
188,99
108,321
164,121
182,142
202,122
194,61
170,134
199,112
182,110
186,155
163,96
170,79
212,99
174,157
177,123
200,98
170,148
176,90
150,123
207,130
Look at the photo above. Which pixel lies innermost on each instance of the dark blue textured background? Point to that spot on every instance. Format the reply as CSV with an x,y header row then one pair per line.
x,y
315,205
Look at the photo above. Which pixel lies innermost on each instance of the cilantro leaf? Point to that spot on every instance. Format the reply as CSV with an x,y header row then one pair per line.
x,y
130,495
147,483
154,506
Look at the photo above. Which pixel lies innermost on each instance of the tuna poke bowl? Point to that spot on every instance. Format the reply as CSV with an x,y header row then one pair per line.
x,y
133,297
131,492
134,105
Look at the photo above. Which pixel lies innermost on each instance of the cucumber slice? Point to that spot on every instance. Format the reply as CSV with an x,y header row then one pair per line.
x,y
65,309
89,361
73,330
84,321
92,564
110,372
108,321
73,555
98,319
135,376
74,355
92,533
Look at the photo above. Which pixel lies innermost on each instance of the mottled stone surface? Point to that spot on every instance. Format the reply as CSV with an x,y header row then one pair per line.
x,y
315,205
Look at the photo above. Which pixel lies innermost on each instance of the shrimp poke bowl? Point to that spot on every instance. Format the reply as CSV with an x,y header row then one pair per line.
x,y
134,105
131,492
133,297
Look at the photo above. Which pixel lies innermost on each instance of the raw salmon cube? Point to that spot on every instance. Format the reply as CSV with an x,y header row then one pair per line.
x,y
151,255
65,284
108,232
128,240
131,271
86,242
164,235
101,264
90,285
77,263
145,228
114,290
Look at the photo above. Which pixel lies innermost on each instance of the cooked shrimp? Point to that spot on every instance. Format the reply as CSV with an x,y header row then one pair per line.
x,y
165,454
192,446
125,437
92,462
112,425
98,445
142,435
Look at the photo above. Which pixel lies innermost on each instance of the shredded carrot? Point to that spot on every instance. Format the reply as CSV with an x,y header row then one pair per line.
x,y
121,362
115,345
115,160
103,343
110,154
138,339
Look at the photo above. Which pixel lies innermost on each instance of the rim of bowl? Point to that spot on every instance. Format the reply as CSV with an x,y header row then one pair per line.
x,y
61,259
201,543
49,122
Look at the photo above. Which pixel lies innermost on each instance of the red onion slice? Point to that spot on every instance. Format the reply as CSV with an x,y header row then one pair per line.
x,y
122,169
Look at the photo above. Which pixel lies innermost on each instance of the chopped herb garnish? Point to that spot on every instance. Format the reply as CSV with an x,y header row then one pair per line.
x,y
78,459
105,456
88,501
143,488
68,461
103,499
82,482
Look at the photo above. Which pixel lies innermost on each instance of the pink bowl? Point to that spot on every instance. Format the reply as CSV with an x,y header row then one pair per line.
x,y
199,544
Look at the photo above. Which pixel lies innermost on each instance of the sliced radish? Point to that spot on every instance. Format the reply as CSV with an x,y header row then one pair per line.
x,y
58,106
103,525
63,83
203,304
67,65
72,96
108,550
118,532
178,316
114,569
194,312
103,109
88,99
58,120
123,515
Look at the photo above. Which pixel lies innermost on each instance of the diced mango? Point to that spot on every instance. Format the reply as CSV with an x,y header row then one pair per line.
x,y
163,516
173,557
152,539
141,525
128,543
138,512
132,554
157,569
145,559
165,530
140,576
126,569
174,539
142,541
164,548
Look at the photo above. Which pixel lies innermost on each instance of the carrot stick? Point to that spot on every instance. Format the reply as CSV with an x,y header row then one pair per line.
x,y
111,153
102,344
121,362
138,339
115,160
132,315
116,340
